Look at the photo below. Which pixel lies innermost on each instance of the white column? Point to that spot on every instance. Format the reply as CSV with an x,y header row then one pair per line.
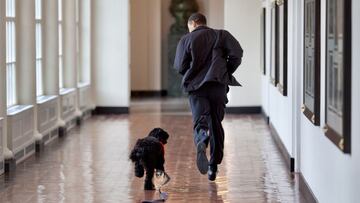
x,y
110,52
242,20
85,40
85,49
69,44
51,51
69,49
25,57
3,74
25,52
296,58
50,47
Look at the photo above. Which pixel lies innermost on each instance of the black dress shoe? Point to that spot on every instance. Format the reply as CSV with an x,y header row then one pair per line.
x,y
212,172
201,159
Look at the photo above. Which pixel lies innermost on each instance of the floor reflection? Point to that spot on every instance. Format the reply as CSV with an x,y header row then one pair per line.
x,y
91,164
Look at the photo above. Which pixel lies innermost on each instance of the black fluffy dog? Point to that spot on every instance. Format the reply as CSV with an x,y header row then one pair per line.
x,y
148,155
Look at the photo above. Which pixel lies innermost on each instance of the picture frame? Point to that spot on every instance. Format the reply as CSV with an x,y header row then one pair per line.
x,y
273,73
281,43
312,61
263,41
338,74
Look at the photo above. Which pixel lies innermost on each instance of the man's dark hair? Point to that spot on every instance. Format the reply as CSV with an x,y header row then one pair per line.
x,y
198,18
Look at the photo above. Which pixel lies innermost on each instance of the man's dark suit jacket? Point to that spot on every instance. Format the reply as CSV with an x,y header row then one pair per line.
x,y
206,55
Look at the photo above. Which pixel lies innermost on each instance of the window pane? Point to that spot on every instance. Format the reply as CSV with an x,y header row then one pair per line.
x,y
10,8
60,39
61,78
39,78
61,84
10,53
60,58
11,84
60,10
38,9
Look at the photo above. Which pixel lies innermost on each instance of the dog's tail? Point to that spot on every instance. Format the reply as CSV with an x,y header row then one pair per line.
x,y
137,153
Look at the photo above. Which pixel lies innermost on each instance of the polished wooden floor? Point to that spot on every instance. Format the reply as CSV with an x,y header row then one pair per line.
x,y
91,163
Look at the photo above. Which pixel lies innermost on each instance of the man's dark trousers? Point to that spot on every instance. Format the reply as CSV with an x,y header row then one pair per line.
x,y
208,108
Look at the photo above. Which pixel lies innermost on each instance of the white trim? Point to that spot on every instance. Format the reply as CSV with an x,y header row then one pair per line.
x,y
65,91
17,109
45,98
83,84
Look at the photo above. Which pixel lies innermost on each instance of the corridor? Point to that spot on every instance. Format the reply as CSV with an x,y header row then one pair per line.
x,y
91,163
82,80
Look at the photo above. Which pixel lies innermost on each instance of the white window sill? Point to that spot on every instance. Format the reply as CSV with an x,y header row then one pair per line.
x,y
65,91
1,119
45,98
11,111
83,84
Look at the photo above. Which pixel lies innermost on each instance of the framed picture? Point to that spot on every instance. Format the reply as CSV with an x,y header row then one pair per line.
x,y
273,74
311,74
281,44
338,74
263,41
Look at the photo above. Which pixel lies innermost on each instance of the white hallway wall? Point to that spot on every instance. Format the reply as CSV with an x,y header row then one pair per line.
x,y
242,19
275,105
331,174
110,51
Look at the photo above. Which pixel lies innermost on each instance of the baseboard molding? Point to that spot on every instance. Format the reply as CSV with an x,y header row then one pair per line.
x,y
110,110
290,161
306,190
243,110
266,117
151,93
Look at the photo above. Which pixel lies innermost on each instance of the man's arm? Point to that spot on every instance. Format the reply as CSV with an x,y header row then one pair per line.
x,y
182,57
234,52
